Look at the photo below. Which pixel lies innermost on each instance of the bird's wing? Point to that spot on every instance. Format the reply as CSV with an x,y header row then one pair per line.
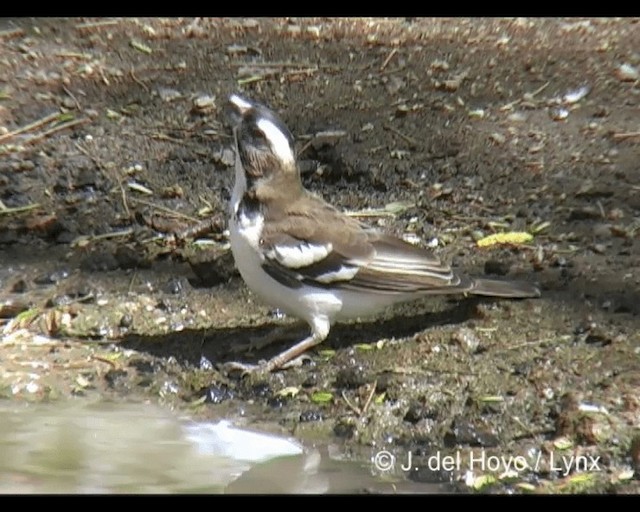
x,y
320,246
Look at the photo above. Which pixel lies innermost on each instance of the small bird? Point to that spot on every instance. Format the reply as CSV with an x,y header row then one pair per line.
x,y
305,257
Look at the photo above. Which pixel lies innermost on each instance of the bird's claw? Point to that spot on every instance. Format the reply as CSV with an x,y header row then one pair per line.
x,y
240,368
296,363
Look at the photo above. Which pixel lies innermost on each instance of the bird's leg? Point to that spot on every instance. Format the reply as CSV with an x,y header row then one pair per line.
x,y
319,331
279,333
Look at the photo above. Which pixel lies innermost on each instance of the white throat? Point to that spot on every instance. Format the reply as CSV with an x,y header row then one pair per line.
x,y
240,186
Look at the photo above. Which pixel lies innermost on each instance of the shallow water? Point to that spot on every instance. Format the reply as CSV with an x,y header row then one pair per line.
x,y
141,448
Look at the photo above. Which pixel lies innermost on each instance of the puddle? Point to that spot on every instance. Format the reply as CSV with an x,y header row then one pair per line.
x,y
140,448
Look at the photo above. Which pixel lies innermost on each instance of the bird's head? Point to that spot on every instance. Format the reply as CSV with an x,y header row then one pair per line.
x,y
264,144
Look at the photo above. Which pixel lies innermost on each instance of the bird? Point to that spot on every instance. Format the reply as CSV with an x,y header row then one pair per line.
x,y
300,254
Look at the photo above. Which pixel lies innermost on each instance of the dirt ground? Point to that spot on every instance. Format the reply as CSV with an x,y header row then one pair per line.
x,y
112,139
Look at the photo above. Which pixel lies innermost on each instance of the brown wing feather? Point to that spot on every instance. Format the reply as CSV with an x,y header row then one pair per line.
x,y
384,263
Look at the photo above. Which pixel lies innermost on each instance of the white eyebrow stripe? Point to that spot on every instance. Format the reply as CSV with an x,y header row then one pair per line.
x,y
240,102
277,140
301,255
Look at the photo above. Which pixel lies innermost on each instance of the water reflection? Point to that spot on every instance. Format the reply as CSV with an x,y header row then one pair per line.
x,y
140,448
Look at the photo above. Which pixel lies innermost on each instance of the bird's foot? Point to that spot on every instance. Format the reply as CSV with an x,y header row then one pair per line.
x,y
291,357
235,368
264,367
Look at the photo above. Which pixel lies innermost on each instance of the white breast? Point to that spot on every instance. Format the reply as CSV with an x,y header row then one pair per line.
x,y
304,302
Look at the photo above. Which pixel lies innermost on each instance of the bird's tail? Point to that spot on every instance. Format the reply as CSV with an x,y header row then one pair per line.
x,y
511,289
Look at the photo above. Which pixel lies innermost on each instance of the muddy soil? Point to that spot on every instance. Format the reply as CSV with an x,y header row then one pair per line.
x,y
445,131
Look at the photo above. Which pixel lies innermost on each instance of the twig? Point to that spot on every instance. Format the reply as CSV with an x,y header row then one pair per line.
x,y
96,24
138,81
388,59
251,79
162,136
370,397
207,203
305,147
525,344
74,365
137,187
11,33
18,209
123,195
104,360
540,89
73,55
165,209
273,72
380,212
351,406
133,279
625,135
55,129
85,152
319,135
414,143
280,65
72,97
307,71
84,240
141,47
519,100
105,80
523,426
30,126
